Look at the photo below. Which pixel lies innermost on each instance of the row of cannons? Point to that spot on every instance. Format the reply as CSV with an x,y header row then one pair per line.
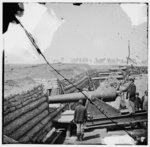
x,y
100,112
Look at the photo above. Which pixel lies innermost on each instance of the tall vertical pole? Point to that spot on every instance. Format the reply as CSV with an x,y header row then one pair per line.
x,y
128,51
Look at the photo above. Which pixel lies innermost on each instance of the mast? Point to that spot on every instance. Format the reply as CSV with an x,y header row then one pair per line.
x,y
128,58
128,52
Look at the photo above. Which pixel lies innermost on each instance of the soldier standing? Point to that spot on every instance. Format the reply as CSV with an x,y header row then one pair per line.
x,y
80,117
138,102
131,91
145,101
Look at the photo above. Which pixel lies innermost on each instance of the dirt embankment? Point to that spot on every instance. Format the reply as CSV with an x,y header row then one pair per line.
x,y
18,85
18,78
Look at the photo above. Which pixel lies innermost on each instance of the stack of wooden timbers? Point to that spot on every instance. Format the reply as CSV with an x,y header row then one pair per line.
x,y
83,82
27,117
80,84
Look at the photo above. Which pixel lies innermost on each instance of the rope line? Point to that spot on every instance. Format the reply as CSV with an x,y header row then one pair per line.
x,y
39,51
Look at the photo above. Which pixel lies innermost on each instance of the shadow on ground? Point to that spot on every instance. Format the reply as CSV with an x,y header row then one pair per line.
x,y
91,137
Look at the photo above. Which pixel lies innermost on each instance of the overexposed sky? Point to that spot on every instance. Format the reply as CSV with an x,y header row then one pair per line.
x,y
90,30
38,22
136,12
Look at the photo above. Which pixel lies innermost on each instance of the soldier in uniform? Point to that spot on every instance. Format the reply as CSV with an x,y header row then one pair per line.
x,y
145,101
138,102
80,117
131,91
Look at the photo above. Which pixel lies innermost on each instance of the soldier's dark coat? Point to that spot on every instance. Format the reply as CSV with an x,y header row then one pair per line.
x,y
80,115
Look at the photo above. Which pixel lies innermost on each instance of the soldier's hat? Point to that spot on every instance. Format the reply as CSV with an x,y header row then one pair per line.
x,y
132,79
80,101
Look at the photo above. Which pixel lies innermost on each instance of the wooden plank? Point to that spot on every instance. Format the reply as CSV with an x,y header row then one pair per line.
x,y
14,125
29,125
11,116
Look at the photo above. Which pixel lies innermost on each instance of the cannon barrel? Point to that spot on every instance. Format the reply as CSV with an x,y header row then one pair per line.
x,y
119,77
104,74
107,94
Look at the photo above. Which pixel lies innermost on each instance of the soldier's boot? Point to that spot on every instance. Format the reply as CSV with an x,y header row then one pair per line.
x,y
78,136
81,137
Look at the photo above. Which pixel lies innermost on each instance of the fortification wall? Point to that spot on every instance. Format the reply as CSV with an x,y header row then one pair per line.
x,y
82,82
27,117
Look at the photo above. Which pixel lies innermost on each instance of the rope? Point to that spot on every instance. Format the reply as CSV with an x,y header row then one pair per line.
x,y
39,51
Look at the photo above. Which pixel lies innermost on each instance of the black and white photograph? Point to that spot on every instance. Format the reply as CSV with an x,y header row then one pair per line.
x,y
75,73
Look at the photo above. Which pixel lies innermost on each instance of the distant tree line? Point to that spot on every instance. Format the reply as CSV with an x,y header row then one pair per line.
x,y
96,60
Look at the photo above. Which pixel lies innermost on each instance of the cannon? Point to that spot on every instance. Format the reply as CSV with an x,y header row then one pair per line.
x,y
104,74
106,94
119,77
